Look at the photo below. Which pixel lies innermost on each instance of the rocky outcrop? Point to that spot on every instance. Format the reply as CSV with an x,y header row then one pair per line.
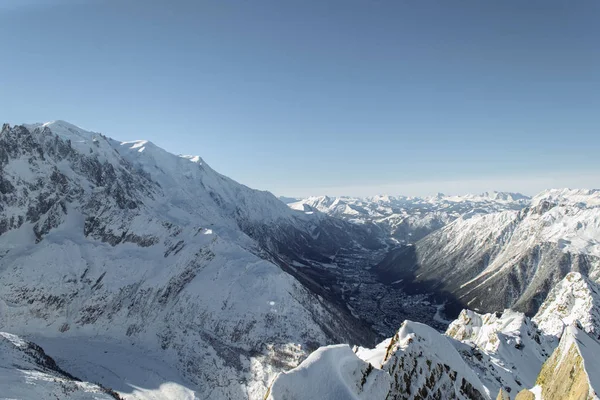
x,y
524,395
574,299
573,370
506,349
503,395
424,364
418,363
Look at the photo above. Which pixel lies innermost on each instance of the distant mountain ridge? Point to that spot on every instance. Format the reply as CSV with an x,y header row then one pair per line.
x,y
489,262
408,219
154,254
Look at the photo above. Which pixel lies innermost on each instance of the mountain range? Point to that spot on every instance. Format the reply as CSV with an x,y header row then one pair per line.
x,y
160,278
493,261
408,219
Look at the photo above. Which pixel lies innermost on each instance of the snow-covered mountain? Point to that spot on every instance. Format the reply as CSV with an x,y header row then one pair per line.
x,y
506,350
26,372
156,276
408,219
332,372
136,247
479,356
574,299
417,363
507,259
504,355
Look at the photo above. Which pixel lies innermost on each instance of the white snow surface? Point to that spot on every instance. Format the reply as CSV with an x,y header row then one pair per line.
x,y
26,373
334,373
574,299
136,374
414,354
584,197
573,225
510,349
409,218
376,355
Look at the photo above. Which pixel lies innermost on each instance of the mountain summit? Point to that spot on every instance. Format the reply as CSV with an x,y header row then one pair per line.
x,y
128,243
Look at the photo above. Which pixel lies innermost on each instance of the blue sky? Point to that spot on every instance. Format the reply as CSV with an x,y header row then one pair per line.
x,y
324,97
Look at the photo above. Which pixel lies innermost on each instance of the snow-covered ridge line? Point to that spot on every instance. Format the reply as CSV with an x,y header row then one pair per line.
x,y
408,219
418,361
575,299
583,197
160,252
498,354
509,259
26,372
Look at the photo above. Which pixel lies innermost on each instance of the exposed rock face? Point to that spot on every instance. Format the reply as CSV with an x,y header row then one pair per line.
x,y
523,395
503,395
26,372
424,365
573,370
507,350
575,299
509,259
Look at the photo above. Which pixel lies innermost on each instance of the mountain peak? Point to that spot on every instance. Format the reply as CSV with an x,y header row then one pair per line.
x,y
64,130
62,123
574,299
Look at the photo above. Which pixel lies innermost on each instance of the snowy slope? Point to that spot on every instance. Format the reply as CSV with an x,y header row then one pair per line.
x,y
408,219
26,372
574,299
332,372
128,243
417,363
507,350
424,364
508,259
496,355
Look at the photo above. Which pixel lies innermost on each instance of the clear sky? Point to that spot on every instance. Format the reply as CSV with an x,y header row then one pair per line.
x,y
308,97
